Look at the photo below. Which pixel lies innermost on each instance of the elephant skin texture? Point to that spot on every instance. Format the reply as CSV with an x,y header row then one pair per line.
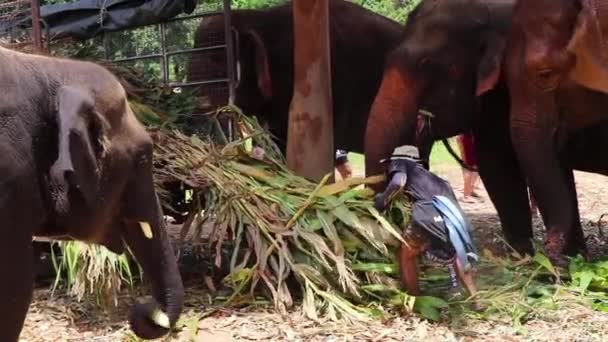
x,y
448,63
76,164
459,76
359,42
447,54
556,67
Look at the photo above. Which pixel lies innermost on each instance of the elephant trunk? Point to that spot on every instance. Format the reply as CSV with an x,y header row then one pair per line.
x,y
149,242
392,120
154,253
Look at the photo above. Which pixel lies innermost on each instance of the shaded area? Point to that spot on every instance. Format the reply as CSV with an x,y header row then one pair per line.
x,y
89,18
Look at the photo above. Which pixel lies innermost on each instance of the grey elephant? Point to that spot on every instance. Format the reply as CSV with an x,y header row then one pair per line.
x,y
76,164
359,42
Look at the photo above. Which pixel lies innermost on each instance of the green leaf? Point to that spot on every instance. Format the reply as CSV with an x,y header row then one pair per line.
x,y
239,276
546,263
376,267
585,278
429,307
385,224
350,219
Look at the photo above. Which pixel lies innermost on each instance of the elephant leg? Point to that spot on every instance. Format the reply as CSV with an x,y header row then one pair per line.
x,y
16,263
21,211
508,192
552,191
575,243
500,173
534,124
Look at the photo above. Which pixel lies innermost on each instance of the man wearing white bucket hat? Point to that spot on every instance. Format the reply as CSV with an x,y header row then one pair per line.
x,y
342,164
438,228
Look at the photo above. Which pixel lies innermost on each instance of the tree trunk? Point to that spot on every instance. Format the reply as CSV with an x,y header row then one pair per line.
x,y
310,141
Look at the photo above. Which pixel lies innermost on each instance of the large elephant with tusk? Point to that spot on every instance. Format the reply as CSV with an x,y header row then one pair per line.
x,y
76,164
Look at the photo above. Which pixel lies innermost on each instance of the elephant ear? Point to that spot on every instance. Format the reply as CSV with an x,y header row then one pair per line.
x,y
489,67
76,167
588,43
262,64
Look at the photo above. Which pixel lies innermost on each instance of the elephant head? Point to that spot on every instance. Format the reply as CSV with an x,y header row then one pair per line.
x,y
254,84
450,53
562,39
556,69
102,190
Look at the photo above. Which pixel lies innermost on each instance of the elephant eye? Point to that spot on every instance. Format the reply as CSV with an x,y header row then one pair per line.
x,y
547,79
544,74
422,62
455,72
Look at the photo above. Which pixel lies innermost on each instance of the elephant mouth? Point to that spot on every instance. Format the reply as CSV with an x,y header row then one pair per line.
x,y
445,120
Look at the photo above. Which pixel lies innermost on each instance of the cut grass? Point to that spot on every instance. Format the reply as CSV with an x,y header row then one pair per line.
x,y
338,252
337,248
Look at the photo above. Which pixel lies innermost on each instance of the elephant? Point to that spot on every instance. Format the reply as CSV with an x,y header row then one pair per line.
x,y
556,69
448,64
77,165
459,77
359,42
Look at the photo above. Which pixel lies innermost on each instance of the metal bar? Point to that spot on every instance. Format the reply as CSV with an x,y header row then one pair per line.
x,y
47,35
207,48
163,49
193,16
237,49
36,30
168,54
106,46
136,58
196,83
310,141
229,48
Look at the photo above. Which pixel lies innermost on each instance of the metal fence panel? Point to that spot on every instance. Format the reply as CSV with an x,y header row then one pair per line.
x,y
164,51
15,23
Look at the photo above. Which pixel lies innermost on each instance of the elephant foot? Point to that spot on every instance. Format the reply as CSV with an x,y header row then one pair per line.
x,y
523,247
576,244
555,248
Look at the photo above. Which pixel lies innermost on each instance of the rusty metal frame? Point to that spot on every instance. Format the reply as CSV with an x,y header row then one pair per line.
x,y
164,55
229,48
36,29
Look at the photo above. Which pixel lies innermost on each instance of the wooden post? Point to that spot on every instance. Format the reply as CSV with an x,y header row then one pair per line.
x,y
310,139
36,29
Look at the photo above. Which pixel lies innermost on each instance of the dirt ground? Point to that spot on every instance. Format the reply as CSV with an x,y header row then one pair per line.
x,y
62,319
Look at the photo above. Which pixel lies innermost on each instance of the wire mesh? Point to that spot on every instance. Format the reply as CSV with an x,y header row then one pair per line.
x,y
15,22
138,42
176,43
188,51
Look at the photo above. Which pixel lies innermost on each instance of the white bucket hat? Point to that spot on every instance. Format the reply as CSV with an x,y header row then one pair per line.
x,y
407,151
404,152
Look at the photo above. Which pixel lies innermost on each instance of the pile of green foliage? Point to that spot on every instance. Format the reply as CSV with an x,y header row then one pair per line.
x,y
327,238
323,244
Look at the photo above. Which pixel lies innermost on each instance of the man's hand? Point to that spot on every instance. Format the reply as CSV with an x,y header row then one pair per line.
x,y
395,185
345,170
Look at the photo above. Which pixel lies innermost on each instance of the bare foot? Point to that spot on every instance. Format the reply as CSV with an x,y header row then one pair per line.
x,y
476,195
467,199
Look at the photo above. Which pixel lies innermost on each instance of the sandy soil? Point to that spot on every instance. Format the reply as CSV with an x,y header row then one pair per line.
x,y
62,319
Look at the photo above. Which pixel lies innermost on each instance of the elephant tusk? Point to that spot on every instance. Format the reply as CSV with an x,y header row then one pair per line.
x,y
145,227
160,318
